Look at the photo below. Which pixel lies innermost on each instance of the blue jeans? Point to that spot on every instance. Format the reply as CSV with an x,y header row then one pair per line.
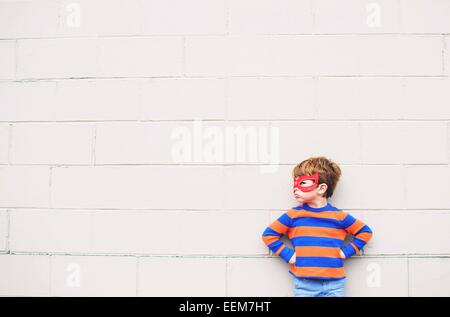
x,y
309,287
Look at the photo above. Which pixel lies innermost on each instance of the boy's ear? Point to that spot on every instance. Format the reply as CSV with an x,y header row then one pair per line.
x,y
322,188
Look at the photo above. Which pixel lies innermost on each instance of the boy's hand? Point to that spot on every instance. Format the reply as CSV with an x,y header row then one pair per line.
x,y
342,254
292,260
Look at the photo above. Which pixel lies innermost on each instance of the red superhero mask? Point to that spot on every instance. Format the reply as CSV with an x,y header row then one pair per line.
x,y
299,179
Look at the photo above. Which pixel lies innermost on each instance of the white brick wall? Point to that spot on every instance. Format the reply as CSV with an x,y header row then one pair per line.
x,y
92,201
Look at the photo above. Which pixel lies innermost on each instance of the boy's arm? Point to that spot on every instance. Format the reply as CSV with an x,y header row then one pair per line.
x,y
361,234
272,237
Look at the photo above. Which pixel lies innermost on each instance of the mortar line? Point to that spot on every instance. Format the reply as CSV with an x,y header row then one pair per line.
x,y
213,165
16,56
137,275
10,136
219,256
221,121
8,231
242,35
196,210
93,144
408,276
444,50
183,70
215,76
50,189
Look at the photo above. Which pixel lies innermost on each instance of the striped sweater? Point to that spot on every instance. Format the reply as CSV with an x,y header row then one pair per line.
x,y
317,235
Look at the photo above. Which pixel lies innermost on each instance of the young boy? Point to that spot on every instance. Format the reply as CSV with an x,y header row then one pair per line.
x,y
317,231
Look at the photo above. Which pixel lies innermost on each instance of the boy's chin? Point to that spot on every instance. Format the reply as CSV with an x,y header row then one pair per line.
x,y
299,200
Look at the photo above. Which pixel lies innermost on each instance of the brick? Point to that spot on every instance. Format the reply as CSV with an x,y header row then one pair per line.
x,y
239,233
404,142
270,98
242,192
90,57
131,232
135,187
93,276
359,98
376,277
412,55
70,100
51,143
247,55
270,17
25,275
177,276
4,143
7,59
141,57
50,231
429,277
181,17
184,99
314,138
358,184
426,98
28,18
337,55
353,16
417,197
128,232
185,143
41,58
99,18
22,101
432,223
421,16
4,230
97,100
259,277
145,143
318,55
24,186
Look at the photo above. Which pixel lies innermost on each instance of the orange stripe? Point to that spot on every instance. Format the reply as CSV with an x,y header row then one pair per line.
x,y
338,215
317,271
279,227
355,227
280,249
365,236
269,239
317,251
301,231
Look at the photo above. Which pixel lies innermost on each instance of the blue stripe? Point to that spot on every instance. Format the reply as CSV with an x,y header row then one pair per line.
x,y
364,229
316,241
348,221
359,243
271,232
317,222
285,219
319,261
274,246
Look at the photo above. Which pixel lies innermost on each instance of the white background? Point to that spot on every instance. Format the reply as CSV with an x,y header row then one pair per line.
x,y
92,203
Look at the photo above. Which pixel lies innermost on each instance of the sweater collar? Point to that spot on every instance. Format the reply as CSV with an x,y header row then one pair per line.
x,y
305,206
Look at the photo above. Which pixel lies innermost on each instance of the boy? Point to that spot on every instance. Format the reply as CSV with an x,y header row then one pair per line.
x,y
317,231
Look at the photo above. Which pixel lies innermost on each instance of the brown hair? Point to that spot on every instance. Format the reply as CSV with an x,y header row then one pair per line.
x,y
329,172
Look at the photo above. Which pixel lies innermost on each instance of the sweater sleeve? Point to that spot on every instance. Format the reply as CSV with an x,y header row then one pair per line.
x,y
361,234
272,237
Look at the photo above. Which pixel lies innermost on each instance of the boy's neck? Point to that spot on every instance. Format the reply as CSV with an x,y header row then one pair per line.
x,y
318,203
